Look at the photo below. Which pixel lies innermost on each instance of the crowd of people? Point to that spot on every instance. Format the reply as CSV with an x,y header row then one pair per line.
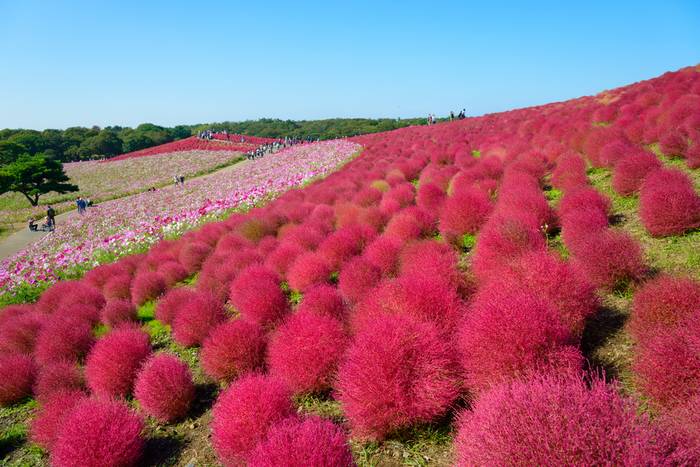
x,y
275,146
432,120
179,181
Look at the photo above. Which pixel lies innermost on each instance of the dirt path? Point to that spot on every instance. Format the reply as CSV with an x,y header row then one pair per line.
x,y
21,239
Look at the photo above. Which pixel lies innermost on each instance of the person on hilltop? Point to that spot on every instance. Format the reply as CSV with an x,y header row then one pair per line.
x,y
81,205
182,180
50,218
32,225
177,179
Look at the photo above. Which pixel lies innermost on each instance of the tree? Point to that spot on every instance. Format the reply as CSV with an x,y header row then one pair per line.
x,y
34,176
10,151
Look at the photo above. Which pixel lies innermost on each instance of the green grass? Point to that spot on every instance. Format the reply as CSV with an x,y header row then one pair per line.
x,y
15,450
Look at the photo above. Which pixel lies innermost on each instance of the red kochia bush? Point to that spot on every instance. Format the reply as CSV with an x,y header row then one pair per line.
x,y
508,333
661,304
52,413
396,373
630,171
383,253
464,213
17,373
193,255
63,339
282,257
309,442
195,318
583,197
357,277
57,376
18,333
668,204
99,432
323,300
66,293
243,414
433,259
549,420
169,305
146,286
164,388
305,350
172,272
117,311
257,295
308,270
111,366
118,286
610,258
232,349
570,172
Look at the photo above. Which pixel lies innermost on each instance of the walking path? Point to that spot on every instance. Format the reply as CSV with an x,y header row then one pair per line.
x,y
21,239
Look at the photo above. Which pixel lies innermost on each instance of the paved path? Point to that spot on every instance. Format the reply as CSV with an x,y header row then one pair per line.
x,y
21,239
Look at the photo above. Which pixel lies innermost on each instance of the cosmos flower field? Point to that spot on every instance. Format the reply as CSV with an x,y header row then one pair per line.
x,y
481,292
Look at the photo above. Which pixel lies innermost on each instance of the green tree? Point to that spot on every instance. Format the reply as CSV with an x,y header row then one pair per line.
x,y
34,176
10,151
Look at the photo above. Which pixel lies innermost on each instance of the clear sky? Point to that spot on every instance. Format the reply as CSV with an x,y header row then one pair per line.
x,y
67,63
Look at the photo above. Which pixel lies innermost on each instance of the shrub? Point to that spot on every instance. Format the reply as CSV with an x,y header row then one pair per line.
x,y
581,224
243,414
323,300
57,376
308,269
17,373
172,272
430,197
683,422
343,244
396,373
383,253
118,287
193,255
309,442
164,388
464,213
169,305
18,333
661,304
668,204
63,339
570,172
357,277
433,259
305,350
146,286
257,295
550,420
282,257
630,172
79,312
610,259
66,293
50,417
117,311
99,432
508,333
195,318
232,349
583,197
111,365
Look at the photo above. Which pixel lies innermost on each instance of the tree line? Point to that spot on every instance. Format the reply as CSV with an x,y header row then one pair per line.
x,y
80,143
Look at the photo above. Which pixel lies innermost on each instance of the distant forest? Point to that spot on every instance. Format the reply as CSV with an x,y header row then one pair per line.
x,y
79,143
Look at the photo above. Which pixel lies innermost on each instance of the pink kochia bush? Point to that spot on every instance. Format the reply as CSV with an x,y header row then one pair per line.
x,y
117,311
169,305
510,332
323,300
357,277
17,373
146,286
668,204
63,339
550,420
464,213
308,270
196,317
630,172
610,259
232,349
18,333
305,350
164,388
244,413
397,372
111,366
257,295
663,303
99,432
57,376
309,442
52,413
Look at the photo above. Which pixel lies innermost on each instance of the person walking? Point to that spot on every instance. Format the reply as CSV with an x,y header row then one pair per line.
x,y
182,180
81,205
51,218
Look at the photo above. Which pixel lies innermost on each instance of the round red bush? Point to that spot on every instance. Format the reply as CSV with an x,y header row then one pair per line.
x,y
610,258
63,339
583,197
232,349
111,365
548,420
396,373
52,413
464,213
17,373
164,388
99,432
193,255
356,277
18,333
282,257
57,376
66,293
661,304
257,295
308,269
146,286
309,442
383,253
323,300
172,272
508,333
169,305
668,204
243,414
117,311
195,318
118,286
305,350
630,172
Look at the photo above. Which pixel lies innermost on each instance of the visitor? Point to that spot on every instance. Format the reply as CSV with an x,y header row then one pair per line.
x,y
81,205
452,115
182,180
50,218
177,180
32,225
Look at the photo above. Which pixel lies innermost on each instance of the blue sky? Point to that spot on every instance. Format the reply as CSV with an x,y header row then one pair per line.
x,y
66,63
